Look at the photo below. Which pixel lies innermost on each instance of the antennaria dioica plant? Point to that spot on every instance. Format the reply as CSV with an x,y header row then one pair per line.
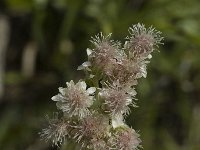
x,y
94,108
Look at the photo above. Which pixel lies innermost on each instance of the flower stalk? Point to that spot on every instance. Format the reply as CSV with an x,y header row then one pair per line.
x,y
93,109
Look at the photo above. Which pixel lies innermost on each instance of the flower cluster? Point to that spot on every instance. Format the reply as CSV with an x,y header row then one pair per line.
x,y
93,109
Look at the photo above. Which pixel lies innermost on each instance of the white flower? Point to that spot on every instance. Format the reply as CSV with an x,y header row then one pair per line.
x,y
75,100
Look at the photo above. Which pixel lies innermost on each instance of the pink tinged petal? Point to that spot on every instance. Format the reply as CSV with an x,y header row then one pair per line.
x,y
132,92
126,43
80,67
149,56
57,97
91,90
92,76
82,85
117,121
62,90
54,98
69,84
89,51
129,100
85,65
143,70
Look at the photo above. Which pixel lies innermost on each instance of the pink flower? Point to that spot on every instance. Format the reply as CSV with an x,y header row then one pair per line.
x,y
128,71
142,41
105,53
125,139
92,128
117,98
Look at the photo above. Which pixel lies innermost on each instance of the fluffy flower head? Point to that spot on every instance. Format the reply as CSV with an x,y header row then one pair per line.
x,y
125,139
116,99
125,71
56,130
92,128
105,53
142,41
75,99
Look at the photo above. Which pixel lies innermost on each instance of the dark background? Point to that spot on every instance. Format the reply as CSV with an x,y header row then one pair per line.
x,y
42,42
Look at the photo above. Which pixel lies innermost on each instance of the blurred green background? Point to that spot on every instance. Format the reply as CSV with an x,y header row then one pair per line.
x,y
43,41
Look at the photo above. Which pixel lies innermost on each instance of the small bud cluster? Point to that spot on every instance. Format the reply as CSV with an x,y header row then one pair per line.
x,y
93,109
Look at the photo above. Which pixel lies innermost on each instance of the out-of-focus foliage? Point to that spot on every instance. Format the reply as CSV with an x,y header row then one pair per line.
x,y
168,116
